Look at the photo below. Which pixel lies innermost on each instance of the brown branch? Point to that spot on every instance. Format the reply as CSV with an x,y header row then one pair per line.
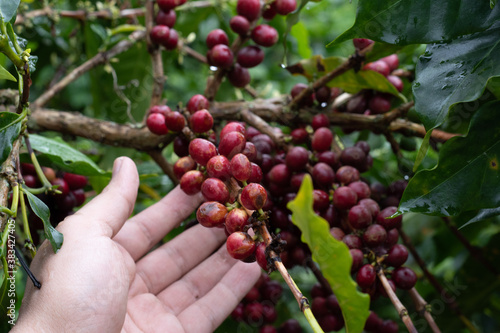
x,y
98,59
474,251
319,275
166,167
260,124
156,60
400,308
424,309
189,51
7,178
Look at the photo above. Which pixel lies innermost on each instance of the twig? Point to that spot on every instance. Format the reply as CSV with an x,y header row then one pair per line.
x,y
189,51
424,309
156,60
400,308
260,124
434,282
166,167
98,59
7,176
79,14
119,91
474,251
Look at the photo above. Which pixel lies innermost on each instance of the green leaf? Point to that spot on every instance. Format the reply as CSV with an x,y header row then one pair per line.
x,y
455,72
63,156
42,211
301,34
493,3
5,74
332,256
10,126
482,215
422,151
351,81
466,177
404,22
8,9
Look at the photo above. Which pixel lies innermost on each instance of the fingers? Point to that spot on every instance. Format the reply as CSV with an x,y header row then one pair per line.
x,y
146,229
171,261
107,212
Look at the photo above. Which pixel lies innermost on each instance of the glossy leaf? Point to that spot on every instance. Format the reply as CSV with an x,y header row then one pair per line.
x,y
351,81
42,211
5,74
467,175
8,9
63,156
10,126
301,34
455,72
404,22
332,256
482,215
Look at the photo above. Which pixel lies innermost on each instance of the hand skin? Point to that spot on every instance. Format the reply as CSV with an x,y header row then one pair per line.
x,y
104,280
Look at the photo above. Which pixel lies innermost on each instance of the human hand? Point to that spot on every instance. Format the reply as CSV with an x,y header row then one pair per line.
x,y
104,280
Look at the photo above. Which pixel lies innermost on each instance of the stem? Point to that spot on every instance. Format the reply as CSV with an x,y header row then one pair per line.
x,y
15,200
424,309
400,308
39,172
167,168
26,225
319,276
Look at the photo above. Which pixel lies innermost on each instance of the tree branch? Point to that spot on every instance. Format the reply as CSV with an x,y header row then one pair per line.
x,y
156,60
166,167
424,309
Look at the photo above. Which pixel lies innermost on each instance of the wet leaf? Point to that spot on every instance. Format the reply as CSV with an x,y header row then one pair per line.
x,y
10,126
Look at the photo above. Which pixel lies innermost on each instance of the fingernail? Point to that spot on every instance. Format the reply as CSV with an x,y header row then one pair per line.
x,y
117,165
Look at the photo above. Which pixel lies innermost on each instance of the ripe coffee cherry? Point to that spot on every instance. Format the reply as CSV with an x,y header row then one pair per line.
x,y
61,185
250,151
175,121
202,150
318,307
404,278
321,200
396,82
171,42
231,144
397,255
320,120
269,12
353,156
285,7
257,175
357,104
297,158
219,167
344,197
74,181
30,181
297,89
279,174
240,245
357,259
299,136
359,217
373,322
389,223
183,165
337,233
333,304
323,175
364,146
322,139
233,126
361,43
371,205
270,313
221,56
214,189
197,102
366,276
181,146
159,34
163,109
380,104
329,157
330,322
166,5
211,214
392,61
323,95
215,37
264,35
253,196
268,329
238,76
290,326
241,169
236,220
249,9
167,18
79,196
272,291
191,182
361,188
389,326
201,121
352,241
374,235
156,124
331,216
250,56
260,255
379,67
239,24
392,238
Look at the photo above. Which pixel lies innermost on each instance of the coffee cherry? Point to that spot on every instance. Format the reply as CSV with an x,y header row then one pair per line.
x,y
268,329
297,89
279,174
231,144
269,12
219,167
79,196
167,18
159,33
344,197
374,235
156,124
222,56
373,322
260,255
171,42
320,200
249,9
389,326
357,104
240,245
216,37
256,175
330,322
166,5
322,95
297,158
238,76
202,150
352,241
366,276
322,139
380,104
404,278
74,181
357,259
361,43
241,169
251,152
392,238
299,136
361,188
175,121
181,146
353,156
183,165
163,109
197,102
318,307
61,185
389,223
323,175
253,196
285,7
201,121
238,313
264,35
392,61
379,67
397,255
329,157
250,56
239,24
396,82
191,181
211,214
320,120
371,205
359,217
271,291
236,220
337,233
30,181
214,189
290,326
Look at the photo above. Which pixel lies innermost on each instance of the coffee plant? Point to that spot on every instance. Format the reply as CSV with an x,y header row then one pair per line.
x,y
350,149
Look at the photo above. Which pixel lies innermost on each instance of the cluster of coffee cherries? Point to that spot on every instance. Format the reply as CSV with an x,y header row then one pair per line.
x,y
245,25
163,33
